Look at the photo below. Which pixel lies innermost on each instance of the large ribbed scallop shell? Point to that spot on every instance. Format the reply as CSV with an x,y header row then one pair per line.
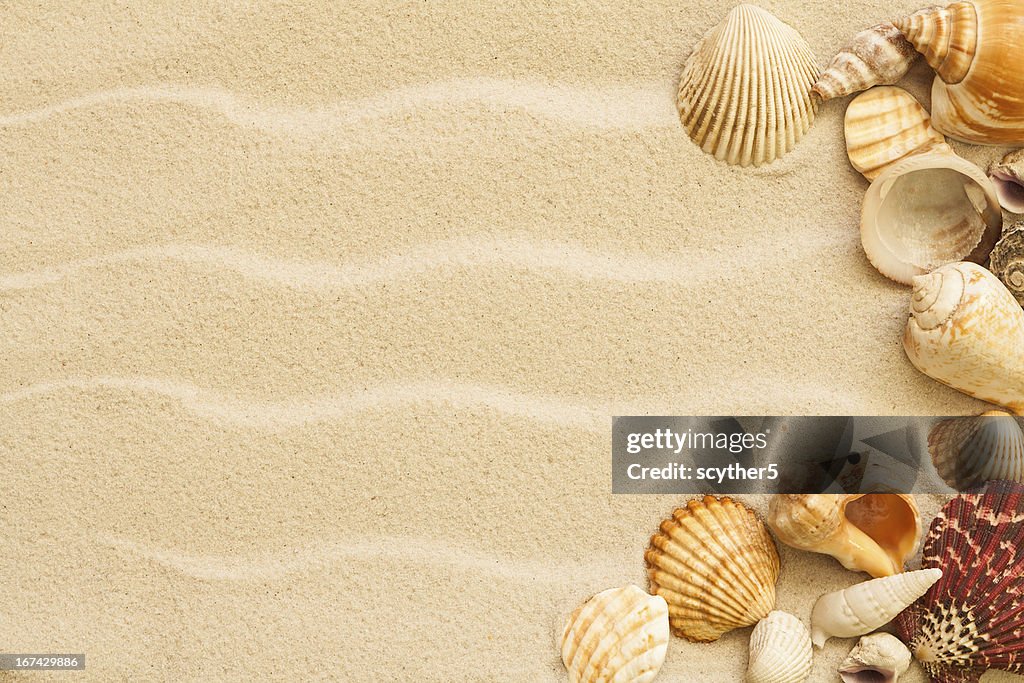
x,y
969,451
1008,177
971,620
885,125
879,55
716,565
745,92
1008,261
967,331
618,636
780,650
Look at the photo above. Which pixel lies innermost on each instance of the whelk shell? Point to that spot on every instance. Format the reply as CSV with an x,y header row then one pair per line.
x,y
874,532
880,55
780,650
967,331
745,92
618,636
1008,261
877,658
1008,177
926,211
867,606
969,451
716,565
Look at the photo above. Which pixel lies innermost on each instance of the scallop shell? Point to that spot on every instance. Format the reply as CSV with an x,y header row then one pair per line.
x,y
885,125
1008,261
879,55
1008,177
618,636
745,92
975,48
877,658
867,606
926,211
780,650
969,451
967,331
874,532
970,621
716,565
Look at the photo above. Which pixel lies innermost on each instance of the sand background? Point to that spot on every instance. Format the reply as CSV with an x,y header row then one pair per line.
x,y
312,318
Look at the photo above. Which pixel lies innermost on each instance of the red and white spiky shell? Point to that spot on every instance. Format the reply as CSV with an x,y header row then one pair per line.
x,y
972,619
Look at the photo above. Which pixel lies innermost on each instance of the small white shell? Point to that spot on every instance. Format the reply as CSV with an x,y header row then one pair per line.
x,y
780,650
1008,177
969,451
878,658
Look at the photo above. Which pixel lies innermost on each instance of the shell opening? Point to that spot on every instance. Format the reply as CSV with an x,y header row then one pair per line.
x,y
886,519
1010,191
867,674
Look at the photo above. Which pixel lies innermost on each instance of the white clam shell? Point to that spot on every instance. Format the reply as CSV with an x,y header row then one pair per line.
x,y
877,658
969,451
780,650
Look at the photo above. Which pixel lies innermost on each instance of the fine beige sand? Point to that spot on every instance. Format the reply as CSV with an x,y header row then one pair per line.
x,y
313,318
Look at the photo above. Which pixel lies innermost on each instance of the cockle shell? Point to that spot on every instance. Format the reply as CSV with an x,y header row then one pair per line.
x,y
618,636
885,125
780,650
974,47
874,532
716,565
879,55
1008,261
967,331
928,210
970,621
877,658
745,92
1008,177
867,606
969,451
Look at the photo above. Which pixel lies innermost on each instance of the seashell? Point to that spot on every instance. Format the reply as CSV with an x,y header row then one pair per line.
x,y
1008,261
879,55
967,331
745,92
620,635
970,621
874,532
867,606
878,658
969,451
780,650
973,46
885,125
926,211
1008,177
716,565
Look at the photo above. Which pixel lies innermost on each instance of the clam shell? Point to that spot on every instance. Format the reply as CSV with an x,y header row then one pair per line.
x,y
969,451
716,565
1008,261
1008,178
877,658
745,92
620,635
780,650
874,533
926,211
971,620
879,55
967,331
885,125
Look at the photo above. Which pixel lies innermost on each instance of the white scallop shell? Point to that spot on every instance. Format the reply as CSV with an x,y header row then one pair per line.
x,y
877,658
618,636
745,92
780,650
969,451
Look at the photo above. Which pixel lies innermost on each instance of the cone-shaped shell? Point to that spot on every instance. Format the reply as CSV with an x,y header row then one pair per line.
x,y
618,636
969,451
926,211
780,650
1008,178
874,532
970,621
974,47
967,331
1008,261
879,55
716,565
865,607
885,125
745,92
877,658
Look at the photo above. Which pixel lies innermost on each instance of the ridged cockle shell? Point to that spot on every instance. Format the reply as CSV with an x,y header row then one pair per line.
x,y
969,451
780,650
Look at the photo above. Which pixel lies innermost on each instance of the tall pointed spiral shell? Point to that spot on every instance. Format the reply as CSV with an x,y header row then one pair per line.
x,y
972,619
618,636
879,55
716,565
780,650
745,92
1008,261
969,451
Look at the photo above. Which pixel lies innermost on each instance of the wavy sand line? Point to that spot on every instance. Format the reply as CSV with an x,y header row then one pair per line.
x,y
610,107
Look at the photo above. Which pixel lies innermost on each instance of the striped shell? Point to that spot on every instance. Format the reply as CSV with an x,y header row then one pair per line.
x,y
716,565
780,650
969,451
879,55
745,92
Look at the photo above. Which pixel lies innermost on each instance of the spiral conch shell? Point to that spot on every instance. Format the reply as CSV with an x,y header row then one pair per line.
x,y
618,636
874,532
879,55
1008,261
877,658
867,606
716,565
969,451
1008,177
780,650
745,92
974,47
967,331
